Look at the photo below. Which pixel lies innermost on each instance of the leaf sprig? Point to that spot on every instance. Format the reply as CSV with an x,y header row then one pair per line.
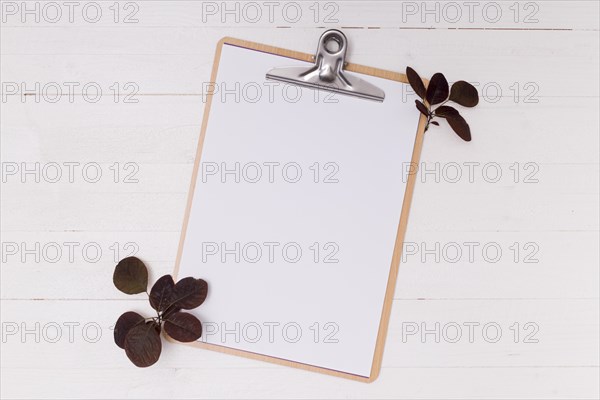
x,y
139,336
438,94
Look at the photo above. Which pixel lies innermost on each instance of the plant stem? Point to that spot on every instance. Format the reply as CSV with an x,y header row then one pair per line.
x,y
429,118
431,115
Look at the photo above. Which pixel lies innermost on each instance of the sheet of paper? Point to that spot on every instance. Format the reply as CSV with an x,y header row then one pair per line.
x,y
295,214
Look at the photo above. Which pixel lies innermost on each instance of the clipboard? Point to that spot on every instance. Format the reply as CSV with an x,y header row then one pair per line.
x,y
201,196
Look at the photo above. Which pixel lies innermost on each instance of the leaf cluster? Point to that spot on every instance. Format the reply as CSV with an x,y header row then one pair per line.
x,y
437,94
139,336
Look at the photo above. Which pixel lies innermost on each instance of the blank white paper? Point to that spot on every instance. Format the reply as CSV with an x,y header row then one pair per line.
x,y
295,214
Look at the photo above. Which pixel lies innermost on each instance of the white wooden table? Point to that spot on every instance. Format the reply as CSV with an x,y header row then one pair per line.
x,y
509,261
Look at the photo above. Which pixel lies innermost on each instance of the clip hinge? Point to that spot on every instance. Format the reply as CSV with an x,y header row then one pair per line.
x,y
328,72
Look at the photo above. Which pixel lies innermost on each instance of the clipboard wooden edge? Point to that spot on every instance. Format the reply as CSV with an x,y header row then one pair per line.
x,y
395,264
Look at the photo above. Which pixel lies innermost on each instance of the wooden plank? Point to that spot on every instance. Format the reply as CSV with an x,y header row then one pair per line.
x,y
435,265
476,333
260,383
164,212
529,72
30,176
325,14
516,132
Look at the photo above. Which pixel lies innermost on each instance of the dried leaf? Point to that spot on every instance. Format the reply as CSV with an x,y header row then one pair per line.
x,y
460,126
190,293
415,82
183,327
143,345
131,276
464,93
161,295
437,91
124,324
421,107
446,111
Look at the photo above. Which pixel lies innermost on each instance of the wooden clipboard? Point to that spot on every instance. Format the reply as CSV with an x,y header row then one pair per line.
x,y
393,270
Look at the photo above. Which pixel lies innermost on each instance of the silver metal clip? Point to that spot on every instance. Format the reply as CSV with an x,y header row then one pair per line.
x,y
328,71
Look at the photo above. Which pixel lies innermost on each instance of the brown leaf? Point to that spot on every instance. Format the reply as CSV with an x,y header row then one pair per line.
x,y
124,324
460,126
190,293
445,111
143,345
415,82
437,91
131,276
161,295
464,93
421,107
183,327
